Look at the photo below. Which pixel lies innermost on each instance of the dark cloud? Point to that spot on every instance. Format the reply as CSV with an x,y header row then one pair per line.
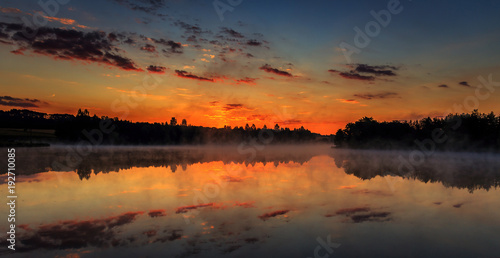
x,y
362,214
273,214
458,205
245,204
157,213
352,75
382,95
246,80
376,70
364,72
231,33
173,47
254,43
464,83
185,74
443,86
185,209
372,216
189,28
147,6
75,234
356,76
69,44
269,69
18,102
229,107
349,211
156,69
149,48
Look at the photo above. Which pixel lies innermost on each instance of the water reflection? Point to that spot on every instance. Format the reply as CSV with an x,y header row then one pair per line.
x,y
462,170
219,203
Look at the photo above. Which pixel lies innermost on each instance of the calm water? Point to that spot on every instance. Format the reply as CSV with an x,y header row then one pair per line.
x,y
275,202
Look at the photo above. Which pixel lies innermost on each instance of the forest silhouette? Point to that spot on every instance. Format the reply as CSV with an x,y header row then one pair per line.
x,y
455,132
71,129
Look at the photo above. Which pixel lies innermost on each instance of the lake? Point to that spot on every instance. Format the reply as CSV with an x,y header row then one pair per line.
x,y
267,201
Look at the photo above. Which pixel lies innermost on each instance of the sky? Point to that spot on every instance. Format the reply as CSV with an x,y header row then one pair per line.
x,y
317,64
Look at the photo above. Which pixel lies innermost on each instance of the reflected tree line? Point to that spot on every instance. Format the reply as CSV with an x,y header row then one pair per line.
x,y
470,171
114,159
70,129
455,132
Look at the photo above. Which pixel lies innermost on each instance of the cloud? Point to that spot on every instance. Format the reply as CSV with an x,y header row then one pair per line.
x,y
189,28
69,44
443,86
269,69
362,214
364,72
18,102
229,107
289,122
246,80
245,204
356,76
173,47
147,6
386,70
372,216
9,10
349,101
352,75
72,234
464,83
349,211
273,214
382,95
149,48
254,43
185,74
157,213
231,32
185,209
156,69
64,21
371,192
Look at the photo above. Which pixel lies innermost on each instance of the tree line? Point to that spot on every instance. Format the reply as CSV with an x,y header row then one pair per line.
x,y
70,129
456,132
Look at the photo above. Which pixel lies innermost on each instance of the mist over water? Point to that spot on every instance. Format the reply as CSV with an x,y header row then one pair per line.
x,y
245,202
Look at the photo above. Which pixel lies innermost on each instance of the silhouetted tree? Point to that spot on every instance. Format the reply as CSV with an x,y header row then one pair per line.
x,y
173,121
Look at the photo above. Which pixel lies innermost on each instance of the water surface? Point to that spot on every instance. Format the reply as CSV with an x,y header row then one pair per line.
x,y
279,201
